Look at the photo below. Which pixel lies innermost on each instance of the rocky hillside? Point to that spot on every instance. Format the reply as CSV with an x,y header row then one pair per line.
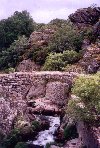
x,y
51,72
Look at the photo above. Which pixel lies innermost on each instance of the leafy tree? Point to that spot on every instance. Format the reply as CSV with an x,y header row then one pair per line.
x,y
13,55
87,104
66,38
18,24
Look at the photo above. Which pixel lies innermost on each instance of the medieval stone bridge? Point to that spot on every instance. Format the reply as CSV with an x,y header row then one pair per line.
x,y
18,91
22,86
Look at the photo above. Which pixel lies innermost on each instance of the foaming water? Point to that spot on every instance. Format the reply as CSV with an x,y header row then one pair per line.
x,y
47,136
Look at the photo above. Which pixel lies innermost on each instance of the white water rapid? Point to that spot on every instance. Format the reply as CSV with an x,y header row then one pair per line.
x,y
47,136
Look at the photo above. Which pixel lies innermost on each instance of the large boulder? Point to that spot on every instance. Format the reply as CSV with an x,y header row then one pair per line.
x,y
91,59
57,92
37,90
41,38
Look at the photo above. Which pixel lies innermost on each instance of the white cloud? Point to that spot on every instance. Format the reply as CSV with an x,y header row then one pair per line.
x,y
43,10
47,15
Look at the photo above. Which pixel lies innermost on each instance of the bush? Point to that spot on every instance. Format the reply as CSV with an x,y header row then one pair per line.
x,y
54,62
11,140
70,132
35,125
10,70
21,145
66,38
87,105
71,56
39,55
58,61
14,54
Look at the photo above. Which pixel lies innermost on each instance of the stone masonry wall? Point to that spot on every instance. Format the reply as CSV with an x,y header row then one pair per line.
x,y
21,86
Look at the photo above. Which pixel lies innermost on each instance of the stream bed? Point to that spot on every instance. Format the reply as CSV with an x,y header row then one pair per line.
x,y
47,136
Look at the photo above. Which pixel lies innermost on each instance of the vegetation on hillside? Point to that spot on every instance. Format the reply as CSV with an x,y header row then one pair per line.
x,y
58,61
86,105
68,36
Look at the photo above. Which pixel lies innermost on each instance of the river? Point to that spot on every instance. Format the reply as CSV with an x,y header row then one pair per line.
x,y
47,136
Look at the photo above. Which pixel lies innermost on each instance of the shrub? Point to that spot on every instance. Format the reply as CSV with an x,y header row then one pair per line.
x,y
21,145
71,56
13,55
39,55
70,132
54,62
10,70
35,125
66,38
11,140
87,105
58,61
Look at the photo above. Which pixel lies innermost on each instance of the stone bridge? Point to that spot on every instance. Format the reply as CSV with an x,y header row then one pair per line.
x,y
19,91
26,86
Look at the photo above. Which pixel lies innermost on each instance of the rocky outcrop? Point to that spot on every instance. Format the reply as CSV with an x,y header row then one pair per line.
x,y
44,107
88,18
89,136
88,15
9,111
91,59
41,38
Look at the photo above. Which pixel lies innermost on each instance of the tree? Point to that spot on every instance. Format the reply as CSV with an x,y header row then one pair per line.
x,y
11,56
66,38
87,104
18,24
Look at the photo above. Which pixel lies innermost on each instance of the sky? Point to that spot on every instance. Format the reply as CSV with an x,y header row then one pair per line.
x,y
43,11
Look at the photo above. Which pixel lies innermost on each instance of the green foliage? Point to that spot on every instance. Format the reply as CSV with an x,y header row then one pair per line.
x,y
21,145
71,56
10,70
59,22
70,132
87,105
39,55
66,38
13,55
48,145
54,62
17,25
35,125
11,140
58,61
